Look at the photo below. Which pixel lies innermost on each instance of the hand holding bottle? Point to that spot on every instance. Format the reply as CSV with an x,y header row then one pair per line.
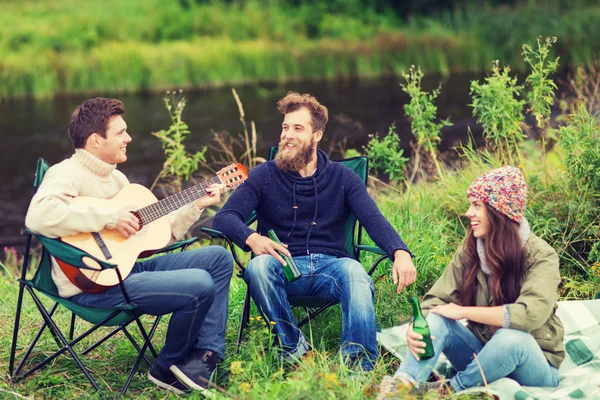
x,y
263,245
418,336
290,269
415,342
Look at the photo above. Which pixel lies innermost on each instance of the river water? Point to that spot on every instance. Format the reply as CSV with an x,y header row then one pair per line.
x,y
32,129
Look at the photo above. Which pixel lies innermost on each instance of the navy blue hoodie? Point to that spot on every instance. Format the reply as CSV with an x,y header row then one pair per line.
x,y
307,214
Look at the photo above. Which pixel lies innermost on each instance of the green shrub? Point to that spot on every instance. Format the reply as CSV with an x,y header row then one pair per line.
x,y
422,112
499,111
386,155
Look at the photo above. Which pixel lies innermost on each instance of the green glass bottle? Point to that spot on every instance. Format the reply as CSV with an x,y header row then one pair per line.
x,y
421,327
290,270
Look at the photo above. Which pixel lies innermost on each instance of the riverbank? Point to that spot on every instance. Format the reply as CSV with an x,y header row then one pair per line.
x,y
61,48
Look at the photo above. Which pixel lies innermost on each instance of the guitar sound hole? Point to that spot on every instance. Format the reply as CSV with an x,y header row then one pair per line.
x,y
143,228
142,231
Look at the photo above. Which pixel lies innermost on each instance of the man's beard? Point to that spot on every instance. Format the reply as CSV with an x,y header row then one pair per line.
x,y
294,163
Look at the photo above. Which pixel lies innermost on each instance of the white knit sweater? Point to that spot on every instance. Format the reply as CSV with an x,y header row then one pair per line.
x,y
52,213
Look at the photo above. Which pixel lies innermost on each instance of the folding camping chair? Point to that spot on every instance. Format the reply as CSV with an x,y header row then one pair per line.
x,y
41,283
353,244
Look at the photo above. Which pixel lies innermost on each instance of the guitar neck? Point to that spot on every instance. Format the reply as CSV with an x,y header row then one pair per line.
x,y
169,204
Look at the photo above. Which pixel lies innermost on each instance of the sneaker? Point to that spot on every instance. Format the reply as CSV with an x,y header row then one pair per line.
x,y
196,369
442,388
392,388
165,379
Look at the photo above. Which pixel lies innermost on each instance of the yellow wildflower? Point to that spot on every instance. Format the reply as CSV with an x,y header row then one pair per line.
x,y
236,367
264,323
272,322
251,318
258,318
245,387
331,380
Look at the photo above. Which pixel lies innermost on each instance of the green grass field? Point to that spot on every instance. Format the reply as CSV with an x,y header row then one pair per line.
x,y
429,219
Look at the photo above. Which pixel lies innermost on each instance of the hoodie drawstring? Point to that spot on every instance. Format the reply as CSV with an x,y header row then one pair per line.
x,y
295,207
314,221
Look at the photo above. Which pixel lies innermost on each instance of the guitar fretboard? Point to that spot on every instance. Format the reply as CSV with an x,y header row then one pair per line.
x,y
165,206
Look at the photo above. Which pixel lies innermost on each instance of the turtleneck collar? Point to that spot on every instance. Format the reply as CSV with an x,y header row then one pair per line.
x,y
524,232
93,163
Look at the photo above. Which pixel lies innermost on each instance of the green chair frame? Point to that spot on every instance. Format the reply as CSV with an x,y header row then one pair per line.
x,y
353,244
117,317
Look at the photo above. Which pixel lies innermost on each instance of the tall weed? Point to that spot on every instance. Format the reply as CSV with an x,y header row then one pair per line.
x,y
386,155
499,111
179,164
422,113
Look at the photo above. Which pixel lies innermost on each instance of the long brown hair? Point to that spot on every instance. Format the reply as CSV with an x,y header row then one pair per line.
x,y
504,258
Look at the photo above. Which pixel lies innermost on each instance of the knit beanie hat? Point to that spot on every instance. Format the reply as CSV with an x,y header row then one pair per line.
x,y
504,189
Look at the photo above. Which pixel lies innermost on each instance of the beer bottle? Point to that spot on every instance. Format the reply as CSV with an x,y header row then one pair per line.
x,y
421,327
290,270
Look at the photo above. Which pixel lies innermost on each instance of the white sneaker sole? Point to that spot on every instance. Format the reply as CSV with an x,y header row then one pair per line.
x,y
183,378
164,385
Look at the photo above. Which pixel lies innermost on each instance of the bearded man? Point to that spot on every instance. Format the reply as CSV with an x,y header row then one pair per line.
x,y
305,198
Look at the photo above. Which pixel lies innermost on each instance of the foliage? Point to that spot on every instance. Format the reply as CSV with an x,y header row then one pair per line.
x,y
64,47
179,164
498,110
581,140
541,95
386,155
422,111
584,88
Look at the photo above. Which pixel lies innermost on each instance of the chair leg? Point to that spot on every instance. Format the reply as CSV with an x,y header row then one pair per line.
x,y
142,351
35,340
52,326
72,328
137,346
13,348
244,319
315,313
98,343
151,335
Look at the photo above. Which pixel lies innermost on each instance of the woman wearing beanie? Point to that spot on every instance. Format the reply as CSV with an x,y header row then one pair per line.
x,y
503,280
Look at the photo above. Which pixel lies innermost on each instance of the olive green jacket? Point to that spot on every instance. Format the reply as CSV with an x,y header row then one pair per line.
x,y
534,311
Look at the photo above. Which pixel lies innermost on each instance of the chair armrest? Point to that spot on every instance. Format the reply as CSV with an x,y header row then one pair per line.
x,y
70,254
375,250
214,233
182,244
218,234
371,249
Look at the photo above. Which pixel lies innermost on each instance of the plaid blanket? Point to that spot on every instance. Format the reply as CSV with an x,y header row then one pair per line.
x,y
579,373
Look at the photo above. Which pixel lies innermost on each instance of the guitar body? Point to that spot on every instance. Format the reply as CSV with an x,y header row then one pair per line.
x,y
123,251
154,234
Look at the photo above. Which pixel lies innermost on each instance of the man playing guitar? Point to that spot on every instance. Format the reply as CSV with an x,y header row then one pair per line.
x,y
192,285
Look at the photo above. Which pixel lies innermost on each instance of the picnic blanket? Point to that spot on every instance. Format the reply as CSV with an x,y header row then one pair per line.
x,y
579,373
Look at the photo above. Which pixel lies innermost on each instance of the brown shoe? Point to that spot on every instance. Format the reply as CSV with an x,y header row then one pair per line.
x,y
392,388
442,388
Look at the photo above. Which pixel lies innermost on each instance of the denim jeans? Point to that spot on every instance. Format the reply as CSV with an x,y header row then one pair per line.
x,y
326,277
192,285
509,353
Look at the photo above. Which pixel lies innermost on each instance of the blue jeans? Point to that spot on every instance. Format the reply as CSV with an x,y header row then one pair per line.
x,y
326,277
192,285
509,353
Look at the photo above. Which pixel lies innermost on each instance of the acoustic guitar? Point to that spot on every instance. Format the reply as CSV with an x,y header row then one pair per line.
x,y
154,233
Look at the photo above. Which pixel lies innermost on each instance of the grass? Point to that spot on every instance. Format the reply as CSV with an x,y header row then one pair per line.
x,y
61,47
428,217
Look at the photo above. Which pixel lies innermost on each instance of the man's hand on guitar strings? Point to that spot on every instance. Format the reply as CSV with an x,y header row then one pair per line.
x,y
213,195
127,224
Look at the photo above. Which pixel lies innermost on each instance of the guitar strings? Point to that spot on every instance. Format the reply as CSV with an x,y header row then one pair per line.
x,y
171,203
